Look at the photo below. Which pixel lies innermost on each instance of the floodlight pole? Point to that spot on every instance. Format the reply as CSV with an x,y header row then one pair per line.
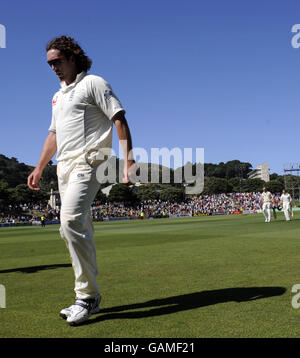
x,y
292,168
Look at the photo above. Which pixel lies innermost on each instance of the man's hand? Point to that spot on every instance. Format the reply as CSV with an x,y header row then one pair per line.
x,y
48,151
34,178
128,170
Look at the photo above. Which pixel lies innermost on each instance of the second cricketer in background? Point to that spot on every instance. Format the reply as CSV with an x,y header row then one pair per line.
x,y
266,204
286,203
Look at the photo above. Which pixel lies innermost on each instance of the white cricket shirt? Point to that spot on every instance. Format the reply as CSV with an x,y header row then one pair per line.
x,y
267,197
286,198
81,116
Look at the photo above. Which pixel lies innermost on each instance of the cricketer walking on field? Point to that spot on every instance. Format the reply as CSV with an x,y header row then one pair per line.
x,y
83,113
286,203
266,204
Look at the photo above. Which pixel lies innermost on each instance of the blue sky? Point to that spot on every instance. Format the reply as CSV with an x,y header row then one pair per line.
x,y
219,75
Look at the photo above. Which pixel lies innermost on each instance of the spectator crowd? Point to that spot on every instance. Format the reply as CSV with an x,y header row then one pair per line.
x,y
216,204
29,214
198,205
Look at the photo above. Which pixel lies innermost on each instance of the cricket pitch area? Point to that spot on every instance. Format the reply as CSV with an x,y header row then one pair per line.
x,y
198,277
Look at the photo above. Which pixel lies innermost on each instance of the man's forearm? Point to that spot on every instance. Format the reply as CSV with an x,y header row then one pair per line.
x,y
124,136
48,151
126,143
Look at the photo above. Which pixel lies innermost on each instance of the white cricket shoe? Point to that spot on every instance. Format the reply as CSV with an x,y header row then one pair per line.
x,y
81,310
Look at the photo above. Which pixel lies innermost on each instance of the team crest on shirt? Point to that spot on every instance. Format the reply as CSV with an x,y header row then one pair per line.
x,y
108,94
54,100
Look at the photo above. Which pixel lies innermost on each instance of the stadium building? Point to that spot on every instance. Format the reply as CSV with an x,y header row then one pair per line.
x,y
261,172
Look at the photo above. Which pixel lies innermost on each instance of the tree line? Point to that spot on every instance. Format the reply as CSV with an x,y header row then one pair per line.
x,y
228,177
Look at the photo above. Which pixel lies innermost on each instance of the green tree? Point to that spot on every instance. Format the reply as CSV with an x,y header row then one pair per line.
x,y
21,194
220,170
101,197
291,181
4,196
234,184
274,176
237,169
172,194
121,193
215,186
149,192
254,185
49,178
209,169
13,172
275,186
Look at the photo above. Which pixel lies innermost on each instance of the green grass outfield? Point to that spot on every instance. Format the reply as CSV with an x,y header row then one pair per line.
x,y
218,276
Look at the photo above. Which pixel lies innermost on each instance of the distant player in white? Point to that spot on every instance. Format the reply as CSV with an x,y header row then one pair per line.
x,y
286,203
266,204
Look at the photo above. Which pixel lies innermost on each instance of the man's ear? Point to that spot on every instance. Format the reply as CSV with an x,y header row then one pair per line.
x,y
72,58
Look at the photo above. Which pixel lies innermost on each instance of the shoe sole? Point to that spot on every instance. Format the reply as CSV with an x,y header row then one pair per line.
x,y
63,316
73,324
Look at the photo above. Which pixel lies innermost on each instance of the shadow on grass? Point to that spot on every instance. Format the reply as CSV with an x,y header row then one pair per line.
x,y
186,302
34,269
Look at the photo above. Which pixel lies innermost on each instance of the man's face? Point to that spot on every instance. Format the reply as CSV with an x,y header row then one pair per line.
x,y
64,68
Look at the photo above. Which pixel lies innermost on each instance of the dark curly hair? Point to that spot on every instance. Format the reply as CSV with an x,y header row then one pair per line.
x,y
69,47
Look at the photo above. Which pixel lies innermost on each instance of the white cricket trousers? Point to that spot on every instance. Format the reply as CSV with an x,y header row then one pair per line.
x,y
286,209
78,188
267,211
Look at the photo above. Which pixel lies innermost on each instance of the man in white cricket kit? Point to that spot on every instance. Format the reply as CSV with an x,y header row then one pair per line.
x,y
83,113
286,203
266,204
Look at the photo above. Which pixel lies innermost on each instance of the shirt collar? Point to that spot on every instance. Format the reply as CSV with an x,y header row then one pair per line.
x,y
78,78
